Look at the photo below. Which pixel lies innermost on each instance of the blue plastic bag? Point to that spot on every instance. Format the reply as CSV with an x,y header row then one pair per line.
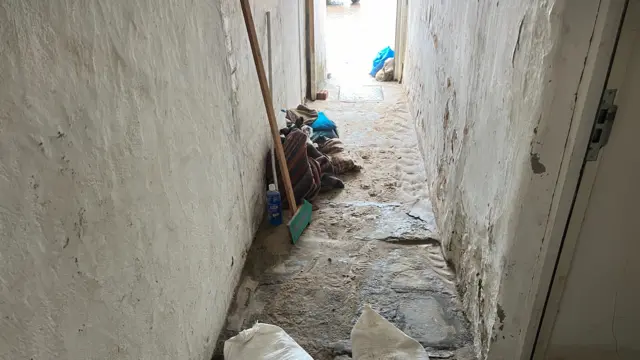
x,y
378,62
323,123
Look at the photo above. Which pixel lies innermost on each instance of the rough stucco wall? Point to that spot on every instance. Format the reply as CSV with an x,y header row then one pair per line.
x,y
287,68
128,196
481,78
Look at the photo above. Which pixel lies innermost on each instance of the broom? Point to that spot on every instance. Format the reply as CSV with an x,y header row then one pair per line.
x,y
301,216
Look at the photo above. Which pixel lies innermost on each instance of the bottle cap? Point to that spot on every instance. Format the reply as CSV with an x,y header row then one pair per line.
x,y
272,187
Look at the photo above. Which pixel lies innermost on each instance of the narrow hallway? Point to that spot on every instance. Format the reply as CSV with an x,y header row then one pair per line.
x,y
374,243
133,178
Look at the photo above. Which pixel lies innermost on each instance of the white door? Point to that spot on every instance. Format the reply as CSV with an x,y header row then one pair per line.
x,y
596,314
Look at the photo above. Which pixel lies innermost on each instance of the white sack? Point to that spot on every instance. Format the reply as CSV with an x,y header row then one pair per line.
x,y
263,342
374,338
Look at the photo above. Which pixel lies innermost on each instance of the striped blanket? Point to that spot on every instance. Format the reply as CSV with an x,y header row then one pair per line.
x,y
342,162
309,170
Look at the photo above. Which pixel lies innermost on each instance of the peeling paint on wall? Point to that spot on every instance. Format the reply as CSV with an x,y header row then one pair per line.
x,y
536,165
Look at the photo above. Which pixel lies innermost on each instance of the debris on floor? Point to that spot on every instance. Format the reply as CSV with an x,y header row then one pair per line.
x,y
324,123
322,95
264,342
372,337
379,61
374,242
301,115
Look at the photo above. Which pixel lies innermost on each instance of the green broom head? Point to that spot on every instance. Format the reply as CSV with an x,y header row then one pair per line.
x,y
300,221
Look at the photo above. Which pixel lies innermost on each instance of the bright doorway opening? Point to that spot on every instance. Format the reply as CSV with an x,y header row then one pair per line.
x,y
354,34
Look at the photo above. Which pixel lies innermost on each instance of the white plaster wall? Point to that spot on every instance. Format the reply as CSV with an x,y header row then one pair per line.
x,y
287,47
492,86
131,173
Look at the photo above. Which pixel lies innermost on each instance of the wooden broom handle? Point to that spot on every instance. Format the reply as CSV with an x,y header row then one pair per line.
x,y
268,104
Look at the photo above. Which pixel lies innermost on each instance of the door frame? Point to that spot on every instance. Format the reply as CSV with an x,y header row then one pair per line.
x,y
310,45
310,49
575,179
401,38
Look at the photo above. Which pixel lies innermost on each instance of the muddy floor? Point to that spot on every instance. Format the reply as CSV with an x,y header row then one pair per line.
x,y
374,242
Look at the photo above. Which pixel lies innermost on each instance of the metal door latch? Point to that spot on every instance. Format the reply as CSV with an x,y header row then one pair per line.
x,y
604,122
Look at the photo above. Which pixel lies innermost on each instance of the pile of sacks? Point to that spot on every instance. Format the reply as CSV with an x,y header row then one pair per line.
x,y
386,73
383,65
372,338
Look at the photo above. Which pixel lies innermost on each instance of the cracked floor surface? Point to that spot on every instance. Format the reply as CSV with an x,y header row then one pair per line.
x,y
373,242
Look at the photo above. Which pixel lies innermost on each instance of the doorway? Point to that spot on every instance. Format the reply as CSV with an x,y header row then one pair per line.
x,y
354,34
591,310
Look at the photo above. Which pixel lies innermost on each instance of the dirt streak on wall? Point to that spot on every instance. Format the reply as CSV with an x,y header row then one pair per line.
x,y
492,91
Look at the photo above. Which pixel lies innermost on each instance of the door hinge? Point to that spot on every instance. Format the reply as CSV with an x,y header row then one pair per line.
x,y
603,124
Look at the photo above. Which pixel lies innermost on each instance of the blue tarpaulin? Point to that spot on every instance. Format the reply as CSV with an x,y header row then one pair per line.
x,y
378,62
323,123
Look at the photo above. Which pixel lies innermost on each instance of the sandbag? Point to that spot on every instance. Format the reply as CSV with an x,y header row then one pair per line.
x,y
387,72
374,338
263,342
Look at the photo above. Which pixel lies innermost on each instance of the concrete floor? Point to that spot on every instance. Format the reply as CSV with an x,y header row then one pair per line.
x,y
374,242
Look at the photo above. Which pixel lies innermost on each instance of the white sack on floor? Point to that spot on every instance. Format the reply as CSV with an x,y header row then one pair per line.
x,y
374,338
263,342
386,73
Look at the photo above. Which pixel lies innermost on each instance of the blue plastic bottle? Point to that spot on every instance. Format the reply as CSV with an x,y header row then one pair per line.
x,y
274,206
